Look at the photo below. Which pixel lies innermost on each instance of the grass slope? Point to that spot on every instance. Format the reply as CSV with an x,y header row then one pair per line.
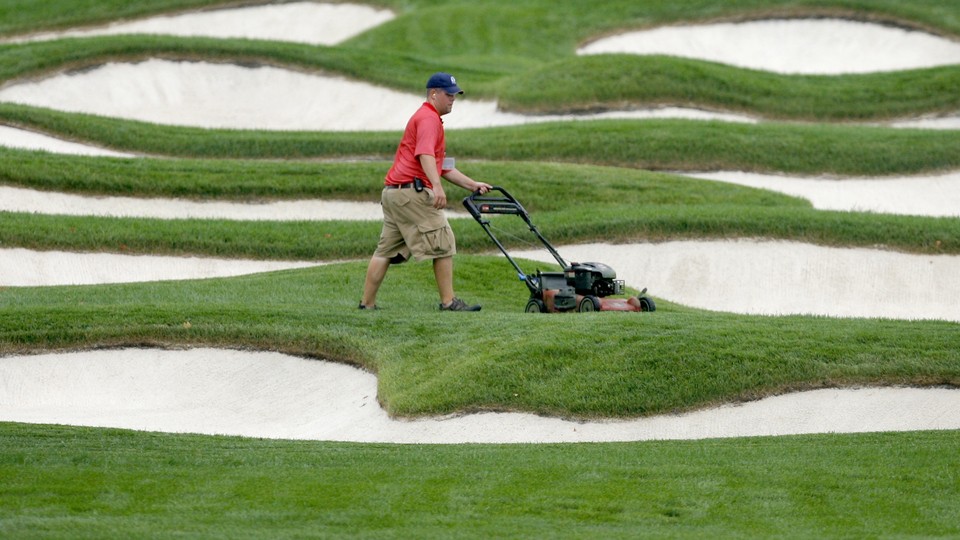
x,y
603,365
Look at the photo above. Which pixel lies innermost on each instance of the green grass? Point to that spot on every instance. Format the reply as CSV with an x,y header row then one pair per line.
x,y
591,83
78,482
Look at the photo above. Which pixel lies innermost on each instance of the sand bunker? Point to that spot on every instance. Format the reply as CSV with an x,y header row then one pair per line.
x,y
29,140
778,278
210,95
13,199
32,201
934,195
204,94
807,46
228,96
219,96
277,396
27,268
303,22
933,122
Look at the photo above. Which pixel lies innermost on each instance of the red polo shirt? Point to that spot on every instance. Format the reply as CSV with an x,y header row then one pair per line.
x,y
422,136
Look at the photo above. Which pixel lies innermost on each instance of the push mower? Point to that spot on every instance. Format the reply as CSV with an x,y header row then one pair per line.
x,y
579,287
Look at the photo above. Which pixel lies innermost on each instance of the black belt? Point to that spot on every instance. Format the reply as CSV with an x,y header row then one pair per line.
x,y
399,186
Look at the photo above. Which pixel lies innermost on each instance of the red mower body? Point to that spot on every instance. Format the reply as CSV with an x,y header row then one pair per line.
x,y
598,304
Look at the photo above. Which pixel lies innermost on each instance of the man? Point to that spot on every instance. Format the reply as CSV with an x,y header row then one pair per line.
x,y
413,200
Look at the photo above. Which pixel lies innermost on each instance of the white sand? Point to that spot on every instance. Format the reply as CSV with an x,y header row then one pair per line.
x,y
276,396
229,96
26,268
739,276
797,46
28,140
780,278
808,46
930,195
213,95
218,95
932,122
14,199
305,22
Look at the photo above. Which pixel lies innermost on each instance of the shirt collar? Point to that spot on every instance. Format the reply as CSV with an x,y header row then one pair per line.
x,y
434,109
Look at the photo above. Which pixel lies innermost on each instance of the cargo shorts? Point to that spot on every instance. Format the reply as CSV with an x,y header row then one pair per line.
x,y
412,226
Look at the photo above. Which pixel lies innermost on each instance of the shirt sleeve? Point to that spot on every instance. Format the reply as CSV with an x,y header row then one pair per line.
x,y
428,133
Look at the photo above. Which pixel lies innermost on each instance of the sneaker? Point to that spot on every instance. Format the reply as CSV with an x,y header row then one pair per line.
x,y
361,306
459,305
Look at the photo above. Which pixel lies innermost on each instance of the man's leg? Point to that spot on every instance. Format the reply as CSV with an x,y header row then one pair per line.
x,y
376,271
443,271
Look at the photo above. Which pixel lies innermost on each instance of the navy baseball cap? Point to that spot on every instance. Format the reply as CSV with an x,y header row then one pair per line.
x,y
445,82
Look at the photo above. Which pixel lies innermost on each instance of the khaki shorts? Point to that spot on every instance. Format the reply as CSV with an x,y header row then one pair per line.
x,y
412,226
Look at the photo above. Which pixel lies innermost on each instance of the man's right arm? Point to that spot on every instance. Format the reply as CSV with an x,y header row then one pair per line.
x,y
429,164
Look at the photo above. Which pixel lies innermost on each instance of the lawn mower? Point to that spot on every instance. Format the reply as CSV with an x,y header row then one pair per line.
x,y
588,286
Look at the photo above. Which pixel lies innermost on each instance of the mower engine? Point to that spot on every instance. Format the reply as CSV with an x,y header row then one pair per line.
x,y
593,278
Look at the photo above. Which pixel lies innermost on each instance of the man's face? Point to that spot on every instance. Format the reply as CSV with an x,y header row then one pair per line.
x,y
443,101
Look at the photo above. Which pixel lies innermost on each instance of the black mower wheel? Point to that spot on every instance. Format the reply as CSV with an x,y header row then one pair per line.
x,y
647,304
535,305
589,303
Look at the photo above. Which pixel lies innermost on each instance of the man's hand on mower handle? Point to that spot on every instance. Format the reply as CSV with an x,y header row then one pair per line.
x,y
482,187
479,187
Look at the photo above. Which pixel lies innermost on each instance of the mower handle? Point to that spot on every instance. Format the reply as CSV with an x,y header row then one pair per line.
x,y
478,204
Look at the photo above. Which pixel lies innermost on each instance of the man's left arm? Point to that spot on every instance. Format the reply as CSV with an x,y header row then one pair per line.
x,y
456,177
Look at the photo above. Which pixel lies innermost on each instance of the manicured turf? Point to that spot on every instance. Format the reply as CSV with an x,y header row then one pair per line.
x,y
74,482
78,482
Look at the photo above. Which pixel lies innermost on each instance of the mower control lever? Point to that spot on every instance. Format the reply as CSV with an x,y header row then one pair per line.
x,y
478,204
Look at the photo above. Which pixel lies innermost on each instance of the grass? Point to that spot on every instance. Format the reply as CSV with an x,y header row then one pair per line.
x,y
615,81
80,482
111,483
